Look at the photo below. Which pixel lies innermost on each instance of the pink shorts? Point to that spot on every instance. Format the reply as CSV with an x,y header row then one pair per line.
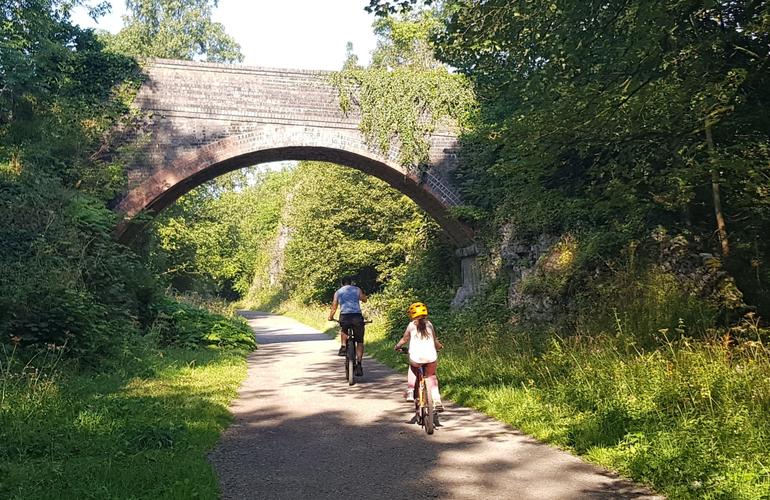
x,y
429,368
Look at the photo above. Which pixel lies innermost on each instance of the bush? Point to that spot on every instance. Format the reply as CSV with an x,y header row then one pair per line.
x,y
188,326
65,280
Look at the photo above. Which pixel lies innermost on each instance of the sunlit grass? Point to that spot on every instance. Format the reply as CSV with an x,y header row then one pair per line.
x,y
142,432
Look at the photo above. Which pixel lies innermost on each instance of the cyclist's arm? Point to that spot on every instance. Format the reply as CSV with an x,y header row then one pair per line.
x,y
362,296
404,339
334,307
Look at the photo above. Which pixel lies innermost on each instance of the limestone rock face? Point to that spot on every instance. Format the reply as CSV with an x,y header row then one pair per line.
x,y
540,271
519,258
700,274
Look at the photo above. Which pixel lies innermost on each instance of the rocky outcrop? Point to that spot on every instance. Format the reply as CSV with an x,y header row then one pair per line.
x,y
540,271
519,259
700,274
276,263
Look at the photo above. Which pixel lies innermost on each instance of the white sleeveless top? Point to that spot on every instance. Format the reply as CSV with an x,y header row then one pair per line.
x,y
422,350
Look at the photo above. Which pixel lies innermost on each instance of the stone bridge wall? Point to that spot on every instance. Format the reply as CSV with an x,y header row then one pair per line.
x,y
200,120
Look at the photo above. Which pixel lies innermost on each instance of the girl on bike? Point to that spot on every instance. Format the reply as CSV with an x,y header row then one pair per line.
x,y
423,347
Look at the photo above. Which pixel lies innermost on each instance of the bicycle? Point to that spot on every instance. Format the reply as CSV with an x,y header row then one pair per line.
x,y
350,354
423,401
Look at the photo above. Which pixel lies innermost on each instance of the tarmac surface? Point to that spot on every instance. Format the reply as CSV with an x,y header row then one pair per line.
x,y
300,431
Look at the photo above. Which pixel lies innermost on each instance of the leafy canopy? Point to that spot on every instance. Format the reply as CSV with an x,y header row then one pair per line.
x,y
175,29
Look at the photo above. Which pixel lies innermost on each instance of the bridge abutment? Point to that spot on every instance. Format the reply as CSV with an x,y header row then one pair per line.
x,y
470,273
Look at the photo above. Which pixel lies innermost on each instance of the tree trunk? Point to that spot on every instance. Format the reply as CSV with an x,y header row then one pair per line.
x,y
721,226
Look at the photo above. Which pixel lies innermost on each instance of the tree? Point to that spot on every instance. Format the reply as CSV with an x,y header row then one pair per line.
x,y
384,8
174,29
404,42
615,117
63,279
212,239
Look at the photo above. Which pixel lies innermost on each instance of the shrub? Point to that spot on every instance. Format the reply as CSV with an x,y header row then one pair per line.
x,y
188,326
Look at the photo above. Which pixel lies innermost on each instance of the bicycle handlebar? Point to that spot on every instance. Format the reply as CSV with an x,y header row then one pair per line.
x,y
366,321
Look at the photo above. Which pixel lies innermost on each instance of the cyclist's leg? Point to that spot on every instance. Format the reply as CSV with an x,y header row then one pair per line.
x,y
410,379
415,370
432,382
358,331
344,325
343,342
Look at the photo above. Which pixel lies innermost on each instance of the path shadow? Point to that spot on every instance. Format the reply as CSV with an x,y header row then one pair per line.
x,y
327,455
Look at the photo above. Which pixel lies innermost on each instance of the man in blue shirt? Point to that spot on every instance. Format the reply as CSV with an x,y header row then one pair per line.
x,y
348,298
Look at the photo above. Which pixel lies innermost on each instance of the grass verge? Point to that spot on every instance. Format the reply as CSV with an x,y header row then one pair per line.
x,y
139,432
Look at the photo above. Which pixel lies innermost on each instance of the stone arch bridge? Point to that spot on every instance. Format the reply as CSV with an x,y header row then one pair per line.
x,y
201,120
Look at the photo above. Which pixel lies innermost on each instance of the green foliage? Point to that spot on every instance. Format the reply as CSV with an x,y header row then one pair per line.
x,y
215,238
361,226
141,430
183,325
593,120
648,305
66,284
403,107
687,416
384,8
65,281
405,42
406,93
174,30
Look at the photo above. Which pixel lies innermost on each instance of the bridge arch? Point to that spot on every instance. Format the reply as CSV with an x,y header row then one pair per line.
x,y
270,143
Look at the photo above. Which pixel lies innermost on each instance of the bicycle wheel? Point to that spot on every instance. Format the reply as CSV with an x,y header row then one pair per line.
x,y
428,410
347,368
350,362
416,395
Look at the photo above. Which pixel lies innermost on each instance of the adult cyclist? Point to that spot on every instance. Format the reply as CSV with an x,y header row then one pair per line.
x,y
348,298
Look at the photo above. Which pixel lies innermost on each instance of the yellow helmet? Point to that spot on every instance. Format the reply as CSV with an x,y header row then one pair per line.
x,y
417,310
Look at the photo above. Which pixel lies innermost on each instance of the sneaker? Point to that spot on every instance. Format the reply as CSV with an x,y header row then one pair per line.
x,y
410,396
359,370
342,350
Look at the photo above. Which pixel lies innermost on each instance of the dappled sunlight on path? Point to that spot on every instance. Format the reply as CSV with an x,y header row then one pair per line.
x,y
301,432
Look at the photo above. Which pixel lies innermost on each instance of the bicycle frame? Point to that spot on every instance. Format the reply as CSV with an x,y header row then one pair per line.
x,y
423,402
350,353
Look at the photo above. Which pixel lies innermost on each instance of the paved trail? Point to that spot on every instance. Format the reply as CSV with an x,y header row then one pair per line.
x,y
301,432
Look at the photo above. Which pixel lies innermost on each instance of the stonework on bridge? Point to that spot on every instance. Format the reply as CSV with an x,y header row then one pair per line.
x,y
200,120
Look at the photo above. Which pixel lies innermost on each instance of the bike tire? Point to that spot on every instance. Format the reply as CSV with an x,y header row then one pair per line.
x,y
417,409
428,411
350,363
347,368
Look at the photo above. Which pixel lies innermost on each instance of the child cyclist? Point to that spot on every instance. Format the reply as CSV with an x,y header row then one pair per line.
x,y
423,347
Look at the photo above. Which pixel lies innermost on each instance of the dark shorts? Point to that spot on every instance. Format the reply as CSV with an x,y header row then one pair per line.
x,y
354,321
